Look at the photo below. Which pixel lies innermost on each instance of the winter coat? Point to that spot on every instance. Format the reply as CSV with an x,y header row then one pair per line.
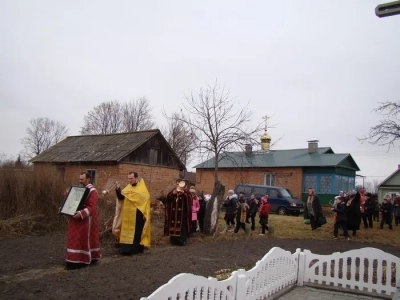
x,y
253,204
203,204
369,206
230,207
396,207
340,209
316,207
353,213
264,209
242,211
195,208
386,209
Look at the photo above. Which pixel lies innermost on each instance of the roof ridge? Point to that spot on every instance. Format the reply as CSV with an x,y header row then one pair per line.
x,y
117,133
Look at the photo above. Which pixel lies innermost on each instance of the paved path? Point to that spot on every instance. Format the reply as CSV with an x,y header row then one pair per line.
x,y
309,293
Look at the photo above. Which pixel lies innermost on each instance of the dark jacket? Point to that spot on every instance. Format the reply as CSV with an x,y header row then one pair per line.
x,y
253,203
230,206
340,210
316,207
353,212
369,206
386,209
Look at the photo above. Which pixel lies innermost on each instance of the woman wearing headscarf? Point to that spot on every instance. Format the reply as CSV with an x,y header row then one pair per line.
x,y
353,213
313,209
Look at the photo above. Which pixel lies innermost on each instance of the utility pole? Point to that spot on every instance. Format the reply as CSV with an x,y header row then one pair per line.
x,y
388,9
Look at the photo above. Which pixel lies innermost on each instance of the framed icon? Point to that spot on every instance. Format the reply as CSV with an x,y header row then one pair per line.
x,y
75,200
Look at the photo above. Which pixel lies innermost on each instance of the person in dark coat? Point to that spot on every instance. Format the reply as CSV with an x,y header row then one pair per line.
x,y
341,218
377,208
396,210
202,212
386,210
369,208
353,213
230,206
313,209
251,213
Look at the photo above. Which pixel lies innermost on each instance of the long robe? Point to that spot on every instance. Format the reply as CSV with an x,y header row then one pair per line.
x,y
178,216
136,225
83,241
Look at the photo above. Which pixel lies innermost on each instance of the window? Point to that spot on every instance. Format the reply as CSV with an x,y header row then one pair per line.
x,y
310,181
92,173
338,180
260,191
325,184
269,179
273,193
153,153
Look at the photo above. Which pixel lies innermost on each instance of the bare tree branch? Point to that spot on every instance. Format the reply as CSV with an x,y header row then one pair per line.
x,y
105,118
180,136
137,115
387,132
42,134
218,122
114,117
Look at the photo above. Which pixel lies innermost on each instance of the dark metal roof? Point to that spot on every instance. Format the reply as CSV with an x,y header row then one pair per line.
x,y
323,157
95,148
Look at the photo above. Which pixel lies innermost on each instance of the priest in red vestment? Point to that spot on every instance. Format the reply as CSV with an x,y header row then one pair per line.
x,y
83,241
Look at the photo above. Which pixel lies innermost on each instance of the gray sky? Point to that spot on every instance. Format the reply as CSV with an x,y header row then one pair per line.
x,y
319,67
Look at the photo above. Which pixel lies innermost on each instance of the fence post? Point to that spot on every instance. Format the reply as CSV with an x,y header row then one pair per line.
x,y
397,293
301,269
241,285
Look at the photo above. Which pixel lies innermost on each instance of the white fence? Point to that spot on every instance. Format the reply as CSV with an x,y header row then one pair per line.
x,y
366,269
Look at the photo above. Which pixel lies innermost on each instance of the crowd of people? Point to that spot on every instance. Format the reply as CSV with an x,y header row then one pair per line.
x,y
353,210
185,211
240,213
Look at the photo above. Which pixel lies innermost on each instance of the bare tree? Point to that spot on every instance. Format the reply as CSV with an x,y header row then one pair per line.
x,y
180,136
218,124
387,132
42,134
103,119
114,117
137,115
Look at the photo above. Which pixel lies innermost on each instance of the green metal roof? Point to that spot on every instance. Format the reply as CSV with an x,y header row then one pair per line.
x,y
323,157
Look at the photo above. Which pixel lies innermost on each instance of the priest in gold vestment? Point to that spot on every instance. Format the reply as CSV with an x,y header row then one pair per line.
x,y
134,234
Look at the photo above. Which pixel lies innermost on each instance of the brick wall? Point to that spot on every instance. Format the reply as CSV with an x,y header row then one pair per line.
x,y
287,177
158,179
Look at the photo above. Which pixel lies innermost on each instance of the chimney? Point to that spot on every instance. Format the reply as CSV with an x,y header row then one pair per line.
x,y
248,148
312,146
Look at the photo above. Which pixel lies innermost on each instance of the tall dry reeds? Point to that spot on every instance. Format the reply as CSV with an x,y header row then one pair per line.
x,y
32,196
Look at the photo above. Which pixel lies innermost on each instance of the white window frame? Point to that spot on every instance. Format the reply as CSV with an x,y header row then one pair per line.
x,y
93,174
271,179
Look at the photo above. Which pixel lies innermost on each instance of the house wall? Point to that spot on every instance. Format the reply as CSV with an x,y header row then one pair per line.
x,y
290,178
158,179
391,185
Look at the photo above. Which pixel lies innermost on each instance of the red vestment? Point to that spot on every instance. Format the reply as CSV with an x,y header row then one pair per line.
x,y
83,241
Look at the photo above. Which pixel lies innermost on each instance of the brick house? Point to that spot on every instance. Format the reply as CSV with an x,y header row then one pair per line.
x,y
296,169
110,157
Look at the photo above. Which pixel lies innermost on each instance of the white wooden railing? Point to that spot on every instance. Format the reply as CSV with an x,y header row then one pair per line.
x,y
366,269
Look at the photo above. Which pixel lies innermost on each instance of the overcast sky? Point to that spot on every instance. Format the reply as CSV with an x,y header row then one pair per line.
x,y
319,67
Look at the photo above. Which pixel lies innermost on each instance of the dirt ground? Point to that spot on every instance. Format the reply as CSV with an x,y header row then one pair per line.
x,y
32,267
